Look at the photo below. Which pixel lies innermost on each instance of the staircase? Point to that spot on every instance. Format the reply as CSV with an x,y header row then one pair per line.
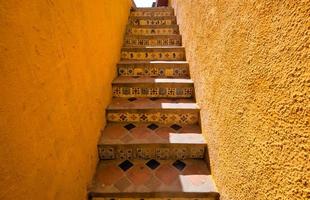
x,y
152,146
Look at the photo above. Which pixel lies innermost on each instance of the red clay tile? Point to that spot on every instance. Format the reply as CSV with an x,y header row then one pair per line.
x,y
122,184
141,132
164,132
114,132
153,184
190,129
113,175
139,175
167,174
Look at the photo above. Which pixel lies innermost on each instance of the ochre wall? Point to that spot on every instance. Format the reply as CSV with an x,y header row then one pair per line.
x,y
57,60
250,63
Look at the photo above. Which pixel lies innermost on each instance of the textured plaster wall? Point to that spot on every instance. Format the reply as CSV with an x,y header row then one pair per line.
x,y
251,66
57,60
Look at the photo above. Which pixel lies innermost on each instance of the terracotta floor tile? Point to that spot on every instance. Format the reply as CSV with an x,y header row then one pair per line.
x,y
127,139
122,184
190,129
141,132
114,132
139,175
113,175
153,183
166,174
164,132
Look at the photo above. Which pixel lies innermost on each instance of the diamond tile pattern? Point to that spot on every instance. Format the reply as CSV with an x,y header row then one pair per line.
x,y
179,165
125,165
153,164
152,143
152,126
176,127
129,126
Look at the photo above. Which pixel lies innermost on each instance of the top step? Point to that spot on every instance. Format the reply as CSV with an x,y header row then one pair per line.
x,y
147,12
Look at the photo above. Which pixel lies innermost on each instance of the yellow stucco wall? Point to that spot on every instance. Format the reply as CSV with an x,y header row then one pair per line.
x,y
250,63
57,60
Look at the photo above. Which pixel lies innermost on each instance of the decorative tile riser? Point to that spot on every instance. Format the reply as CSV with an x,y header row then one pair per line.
x,y
152,31
152,21
151,13
163,117
177,71
160,92
165,55
151,151
153,42
143,198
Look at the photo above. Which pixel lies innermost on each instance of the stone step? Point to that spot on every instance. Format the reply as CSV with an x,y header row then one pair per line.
x,y
151,140
130,87
155,9
163,69
152,12
149,110
152,29
152,40
153,179
164,53
165,20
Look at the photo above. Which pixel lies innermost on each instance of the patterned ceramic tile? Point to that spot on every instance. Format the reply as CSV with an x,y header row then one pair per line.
x,y
162,117
151,21
164,55
153,42
151,13
126,92
108,152
152,31
163,198
154,71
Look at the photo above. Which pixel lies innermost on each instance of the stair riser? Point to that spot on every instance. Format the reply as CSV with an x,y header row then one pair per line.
x,y
154,70
155,116
164,55
153,31
152,151
134,90
136,42
152,21
158,198
152,13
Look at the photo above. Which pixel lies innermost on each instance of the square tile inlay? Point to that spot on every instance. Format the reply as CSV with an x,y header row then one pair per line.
x,y
176,127
152,126
125,165
153,164
129,127
179,165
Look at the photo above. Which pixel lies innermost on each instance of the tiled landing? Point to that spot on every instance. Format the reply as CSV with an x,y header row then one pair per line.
x,y
150,178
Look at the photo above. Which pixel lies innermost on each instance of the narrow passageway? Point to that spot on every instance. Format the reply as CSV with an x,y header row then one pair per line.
x,y
152,145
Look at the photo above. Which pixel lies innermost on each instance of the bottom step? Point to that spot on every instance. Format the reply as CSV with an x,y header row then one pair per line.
x,y
153,179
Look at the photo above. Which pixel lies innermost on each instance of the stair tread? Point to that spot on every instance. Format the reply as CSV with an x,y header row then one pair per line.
x,y
151,62
151,178
153,17
151,133
153,26
153,9
153,47
150,80
153,36
148,104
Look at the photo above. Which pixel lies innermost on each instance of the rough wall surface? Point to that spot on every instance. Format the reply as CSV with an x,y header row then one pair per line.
x,y
250,63
57,60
